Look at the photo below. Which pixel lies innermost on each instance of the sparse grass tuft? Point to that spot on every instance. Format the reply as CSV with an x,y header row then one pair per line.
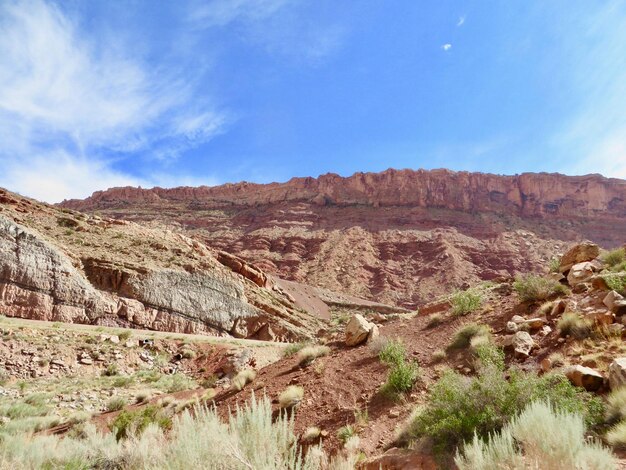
x,y
616,282
111,370
308,354
464,335
617,435
345,433
242,379
116,404
294,348
554,265
616,405
434,320
311,434
573,324
143,396
292,396
464,302
439,355
533,288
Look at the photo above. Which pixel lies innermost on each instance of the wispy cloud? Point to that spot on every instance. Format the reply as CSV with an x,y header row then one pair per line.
x,y
224,12
446,47
461,21
594,139
66,102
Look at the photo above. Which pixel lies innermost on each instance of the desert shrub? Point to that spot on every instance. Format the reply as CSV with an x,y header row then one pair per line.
x,y
533,288
616,405
175,383
393,352
573,324
458,407
242,379
439,355
464,302
378,344
122,381
345,433
116,404
616,282
294,348
124,335
209,381
197,439
434,320
308,354
149,375
188,353
540,437
36,399
292,396
554,264
464,335
143,396
20,409
111,370
616,436
311,434
614,258
401,378
136,421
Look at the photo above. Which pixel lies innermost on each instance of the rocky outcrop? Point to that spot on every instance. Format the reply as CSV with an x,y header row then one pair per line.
x,y
579,253
585,377
397,237
529,194
51,278
358,330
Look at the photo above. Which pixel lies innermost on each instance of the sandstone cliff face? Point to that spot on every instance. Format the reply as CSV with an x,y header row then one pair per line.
x,y
399,237
529,194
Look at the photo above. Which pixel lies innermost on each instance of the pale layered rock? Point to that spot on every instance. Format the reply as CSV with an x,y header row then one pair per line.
x,y
522,344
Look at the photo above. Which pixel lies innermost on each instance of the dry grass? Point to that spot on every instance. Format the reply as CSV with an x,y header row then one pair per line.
x,y
573,324
242,379
308,354
291,397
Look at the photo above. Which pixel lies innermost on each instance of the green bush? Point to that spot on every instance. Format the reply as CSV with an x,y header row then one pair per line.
x,y
464,302
616,282
392,353
464,335
116,404
458,407
614,258
345,433
136,421
540,437
401,378
533,288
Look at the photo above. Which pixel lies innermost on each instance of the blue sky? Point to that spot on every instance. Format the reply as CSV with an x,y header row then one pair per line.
x,y
95,94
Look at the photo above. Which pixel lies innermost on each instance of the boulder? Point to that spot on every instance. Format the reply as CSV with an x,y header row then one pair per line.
x,y
585,377
580,272
511,327
599,283
610,298
518,319
585,251
617,373
534,323
558,308
357,330
374,334
522,344
619,307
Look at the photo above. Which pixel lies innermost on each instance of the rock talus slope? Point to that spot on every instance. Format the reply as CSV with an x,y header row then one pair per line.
x,y
400,237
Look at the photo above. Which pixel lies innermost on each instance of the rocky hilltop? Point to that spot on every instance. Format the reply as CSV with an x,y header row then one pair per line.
x,y
401,237
61,265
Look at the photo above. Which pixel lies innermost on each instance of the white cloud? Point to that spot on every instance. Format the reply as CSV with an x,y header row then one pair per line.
x,y
67,101
446,47
224,12
594,139
461,21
